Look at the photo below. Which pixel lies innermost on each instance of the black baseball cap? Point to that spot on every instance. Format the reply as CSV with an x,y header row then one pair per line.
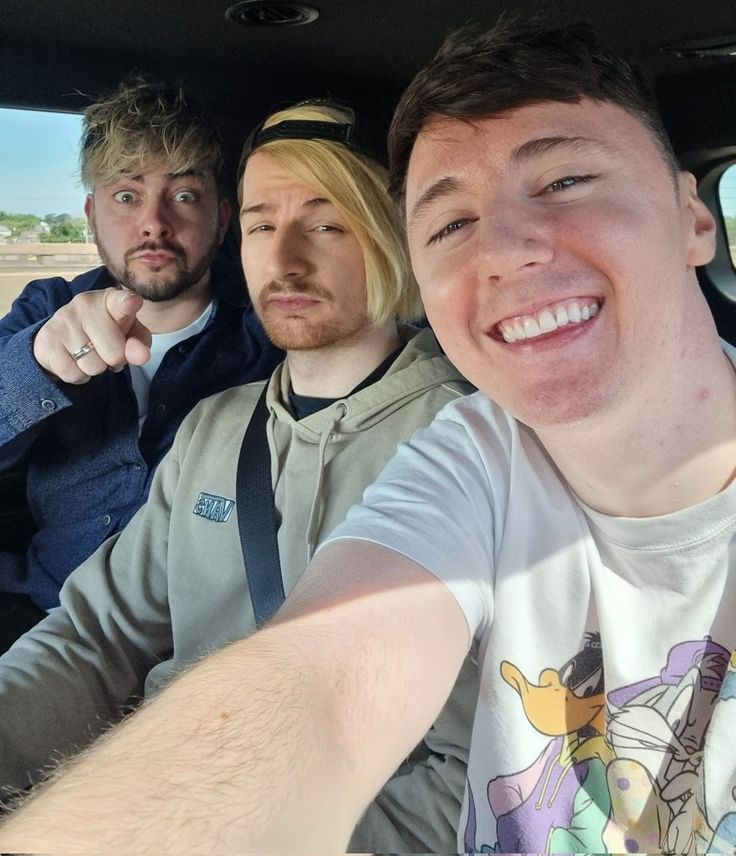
x,y
362,136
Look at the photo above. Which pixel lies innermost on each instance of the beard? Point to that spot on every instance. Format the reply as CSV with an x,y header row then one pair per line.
x,y
296,332
167,283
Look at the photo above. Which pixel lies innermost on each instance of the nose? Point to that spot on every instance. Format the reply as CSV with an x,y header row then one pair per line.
x,y
156,221
512,239
287,257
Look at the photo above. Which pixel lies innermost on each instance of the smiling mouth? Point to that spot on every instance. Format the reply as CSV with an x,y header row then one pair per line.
x,y
567,313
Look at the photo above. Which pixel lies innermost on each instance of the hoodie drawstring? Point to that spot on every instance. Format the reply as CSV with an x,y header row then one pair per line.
x,y
315,512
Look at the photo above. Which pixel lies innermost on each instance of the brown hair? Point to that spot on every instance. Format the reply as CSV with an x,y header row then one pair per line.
x,y
518,62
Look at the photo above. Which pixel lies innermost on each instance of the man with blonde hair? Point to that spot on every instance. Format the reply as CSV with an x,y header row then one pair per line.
x,y
328,272
97,374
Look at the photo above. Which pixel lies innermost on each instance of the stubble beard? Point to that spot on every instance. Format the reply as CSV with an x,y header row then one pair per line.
x,y
157,287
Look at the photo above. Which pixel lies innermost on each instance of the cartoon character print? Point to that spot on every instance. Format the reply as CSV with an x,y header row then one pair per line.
x,y
560,802
719,797
630,785
657,730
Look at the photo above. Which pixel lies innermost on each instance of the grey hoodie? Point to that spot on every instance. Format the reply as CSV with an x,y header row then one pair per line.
x,y
172,586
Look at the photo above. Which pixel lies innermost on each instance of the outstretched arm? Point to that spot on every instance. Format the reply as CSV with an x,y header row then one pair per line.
x,y
277,742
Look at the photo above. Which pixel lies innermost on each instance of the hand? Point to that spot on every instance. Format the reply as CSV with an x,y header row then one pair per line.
x,y
104,319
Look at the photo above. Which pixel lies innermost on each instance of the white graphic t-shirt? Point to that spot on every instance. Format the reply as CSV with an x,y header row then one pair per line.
x,y
606,720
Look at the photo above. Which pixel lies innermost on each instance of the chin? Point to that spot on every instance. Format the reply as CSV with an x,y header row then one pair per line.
x,y
294,340
304,336
159,290
546,408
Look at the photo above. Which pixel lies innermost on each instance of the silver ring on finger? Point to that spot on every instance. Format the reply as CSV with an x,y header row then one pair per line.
x,y
83,351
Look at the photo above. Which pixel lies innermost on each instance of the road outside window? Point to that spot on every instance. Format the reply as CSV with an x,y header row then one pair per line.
x,y
43,231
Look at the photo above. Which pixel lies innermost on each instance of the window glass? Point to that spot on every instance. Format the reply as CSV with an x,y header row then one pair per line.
x,y
42,227
727,201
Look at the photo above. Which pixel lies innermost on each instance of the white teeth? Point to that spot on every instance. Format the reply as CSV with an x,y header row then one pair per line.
x,y
546,321
531,327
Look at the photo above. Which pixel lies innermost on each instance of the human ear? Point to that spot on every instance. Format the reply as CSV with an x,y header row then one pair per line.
x,y
701,224
89,211
224,212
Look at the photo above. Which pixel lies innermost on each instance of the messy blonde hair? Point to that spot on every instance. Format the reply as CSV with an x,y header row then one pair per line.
x,y
146,122
358,188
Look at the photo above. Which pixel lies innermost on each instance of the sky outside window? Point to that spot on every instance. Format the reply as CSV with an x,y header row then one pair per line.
x,y
38,163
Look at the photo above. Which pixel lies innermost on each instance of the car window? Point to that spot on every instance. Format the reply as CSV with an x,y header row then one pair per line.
x,y
43,231
727,201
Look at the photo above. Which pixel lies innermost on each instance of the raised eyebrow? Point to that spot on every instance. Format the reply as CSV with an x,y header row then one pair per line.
x,y
439,189
542,145
269,207
258,208
140,178
316,202
124,180
187,173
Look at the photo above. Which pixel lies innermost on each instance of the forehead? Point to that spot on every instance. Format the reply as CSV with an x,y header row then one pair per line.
x,y
267,181
447,148
156,173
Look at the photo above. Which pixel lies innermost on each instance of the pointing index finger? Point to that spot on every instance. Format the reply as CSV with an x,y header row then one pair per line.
x,y
122,305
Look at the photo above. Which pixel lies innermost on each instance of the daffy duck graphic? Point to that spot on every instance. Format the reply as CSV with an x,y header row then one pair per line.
x,y
561,802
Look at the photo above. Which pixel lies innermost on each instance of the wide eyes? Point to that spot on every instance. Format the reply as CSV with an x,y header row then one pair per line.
x,y
126,197
186,196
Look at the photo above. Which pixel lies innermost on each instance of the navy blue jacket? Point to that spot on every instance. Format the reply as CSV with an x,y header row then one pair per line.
x,y
88,471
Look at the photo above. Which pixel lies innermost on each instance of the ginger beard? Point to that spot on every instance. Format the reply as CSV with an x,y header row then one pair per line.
x,y
324,323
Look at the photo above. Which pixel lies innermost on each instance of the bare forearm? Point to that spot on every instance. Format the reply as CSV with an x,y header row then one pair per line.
x,y
186,773
277,743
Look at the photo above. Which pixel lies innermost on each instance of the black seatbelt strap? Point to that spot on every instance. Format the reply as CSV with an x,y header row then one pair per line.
x,y
257,517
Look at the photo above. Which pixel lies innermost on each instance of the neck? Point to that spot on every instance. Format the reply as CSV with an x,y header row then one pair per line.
x,y
332,371
670,447
167,316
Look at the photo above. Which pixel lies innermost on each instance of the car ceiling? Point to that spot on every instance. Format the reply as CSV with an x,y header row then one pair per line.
x,y
58,54
364,50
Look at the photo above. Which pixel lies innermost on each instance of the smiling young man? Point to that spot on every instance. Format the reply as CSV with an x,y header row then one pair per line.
x,y
172,323
328,272
576,536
